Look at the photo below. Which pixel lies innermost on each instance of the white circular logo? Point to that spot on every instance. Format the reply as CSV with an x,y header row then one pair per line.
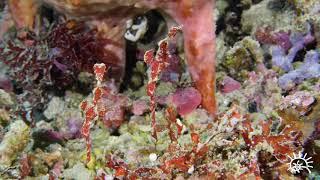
x,y
299,163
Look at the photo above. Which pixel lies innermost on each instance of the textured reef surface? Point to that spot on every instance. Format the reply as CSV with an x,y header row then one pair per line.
x,y
159,89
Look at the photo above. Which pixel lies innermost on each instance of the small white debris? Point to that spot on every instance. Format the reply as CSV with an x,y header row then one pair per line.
x,y
199,146
108,177
234,121
191,170
179,122
153,157
184,128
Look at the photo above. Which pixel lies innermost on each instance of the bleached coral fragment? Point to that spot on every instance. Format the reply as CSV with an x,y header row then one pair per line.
x,y
5,98
191,170
13,143
56,106
300,100
153,157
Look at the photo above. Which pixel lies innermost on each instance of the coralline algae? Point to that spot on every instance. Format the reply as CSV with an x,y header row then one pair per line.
x,y
309,69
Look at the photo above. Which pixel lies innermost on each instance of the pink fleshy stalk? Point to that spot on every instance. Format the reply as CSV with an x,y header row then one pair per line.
x,y
199,37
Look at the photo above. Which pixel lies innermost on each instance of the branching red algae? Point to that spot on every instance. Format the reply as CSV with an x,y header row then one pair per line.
x,y
281,143
91,110
157,64
171,116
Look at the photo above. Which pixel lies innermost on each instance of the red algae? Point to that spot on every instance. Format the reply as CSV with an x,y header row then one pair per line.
x,y
171,117
91,111
106,106
156,68
157,64
281,143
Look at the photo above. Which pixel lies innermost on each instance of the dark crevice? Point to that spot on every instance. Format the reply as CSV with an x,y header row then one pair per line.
x,y
300,56
230,22
131,60
155,20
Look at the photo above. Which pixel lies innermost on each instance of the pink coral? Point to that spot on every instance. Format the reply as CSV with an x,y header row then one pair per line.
x,y
186,100
267,36
139,107
229,85
112,109
300,100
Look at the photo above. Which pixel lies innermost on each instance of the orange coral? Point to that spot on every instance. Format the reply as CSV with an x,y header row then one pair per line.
x,y
23,12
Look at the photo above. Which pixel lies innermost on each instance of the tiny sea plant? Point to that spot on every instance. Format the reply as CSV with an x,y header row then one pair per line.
x,y
157,64
91,109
